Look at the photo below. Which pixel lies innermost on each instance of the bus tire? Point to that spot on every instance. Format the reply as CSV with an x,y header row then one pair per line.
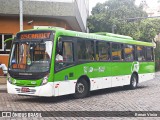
x,y
82,89
133,82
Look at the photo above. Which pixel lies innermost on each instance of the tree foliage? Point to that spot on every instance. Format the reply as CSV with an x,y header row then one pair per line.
x,y
115,13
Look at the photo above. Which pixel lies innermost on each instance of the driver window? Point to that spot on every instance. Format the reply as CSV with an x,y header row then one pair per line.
x,y
67,52
64,56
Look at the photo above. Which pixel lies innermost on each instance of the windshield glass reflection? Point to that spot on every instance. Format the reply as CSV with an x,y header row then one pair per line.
x,y
31,56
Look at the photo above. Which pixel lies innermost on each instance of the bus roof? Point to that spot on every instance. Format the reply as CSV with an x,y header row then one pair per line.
x,y
114,35
98,36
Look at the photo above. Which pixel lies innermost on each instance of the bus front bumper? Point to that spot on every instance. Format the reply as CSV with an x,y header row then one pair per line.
x,y
44,90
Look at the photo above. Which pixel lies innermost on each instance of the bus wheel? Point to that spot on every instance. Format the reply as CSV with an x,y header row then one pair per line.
x,y
82,89
133,82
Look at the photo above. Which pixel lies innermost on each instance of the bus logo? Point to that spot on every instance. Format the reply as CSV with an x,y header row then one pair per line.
x,y
33,82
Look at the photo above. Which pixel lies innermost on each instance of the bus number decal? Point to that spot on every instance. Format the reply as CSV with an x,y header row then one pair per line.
x,y
91,69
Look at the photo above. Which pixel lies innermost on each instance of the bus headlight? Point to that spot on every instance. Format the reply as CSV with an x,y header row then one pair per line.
x,y
45,80
9,79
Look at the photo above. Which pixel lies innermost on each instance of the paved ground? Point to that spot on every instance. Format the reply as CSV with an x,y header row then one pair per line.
x,y
2,80
145,98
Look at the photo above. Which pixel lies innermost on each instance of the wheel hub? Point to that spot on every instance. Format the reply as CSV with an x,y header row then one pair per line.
x,y
134,82
80,87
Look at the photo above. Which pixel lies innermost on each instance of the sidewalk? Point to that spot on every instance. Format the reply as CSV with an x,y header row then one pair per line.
x,y
3,87
3,81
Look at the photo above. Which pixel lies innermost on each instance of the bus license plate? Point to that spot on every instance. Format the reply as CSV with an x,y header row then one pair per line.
x,y
25,89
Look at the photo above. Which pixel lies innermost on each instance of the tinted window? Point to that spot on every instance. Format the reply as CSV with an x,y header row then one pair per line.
x,y
81,50
103,51
65,57
68,51
85,50
116,52
141,53
129,52
149,52
89,50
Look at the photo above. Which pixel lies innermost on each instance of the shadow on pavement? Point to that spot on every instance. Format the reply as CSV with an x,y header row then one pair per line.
x,y
3,91
45,99
114,90
70,97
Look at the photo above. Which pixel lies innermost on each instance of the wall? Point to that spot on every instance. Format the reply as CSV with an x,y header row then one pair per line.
x,y
83,8
11,25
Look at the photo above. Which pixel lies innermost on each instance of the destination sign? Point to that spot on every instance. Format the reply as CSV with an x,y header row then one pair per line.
x,y
34,35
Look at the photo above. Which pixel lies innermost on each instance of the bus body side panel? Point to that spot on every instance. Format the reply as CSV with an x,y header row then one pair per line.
x,y
101,75
146,71
121,73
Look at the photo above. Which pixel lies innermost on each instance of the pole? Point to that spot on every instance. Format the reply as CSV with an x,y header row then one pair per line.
x,y
21,14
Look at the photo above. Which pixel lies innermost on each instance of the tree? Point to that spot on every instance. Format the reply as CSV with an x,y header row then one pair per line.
x,y
97,21
147,31
113,13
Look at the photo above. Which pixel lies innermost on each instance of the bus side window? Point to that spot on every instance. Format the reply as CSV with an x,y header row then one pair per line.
x,y
90,50
81,49
141,53
149,52
64,57
129,52
68,51
102,51
116,52
85,49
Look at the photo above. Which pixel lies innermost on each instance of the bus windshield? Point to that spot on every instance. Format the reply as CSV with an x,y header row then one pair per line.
x,y
31,56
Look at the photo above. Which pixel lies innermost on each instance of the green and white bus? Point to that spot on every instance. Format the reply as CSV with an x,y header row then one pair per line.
x,y
87,62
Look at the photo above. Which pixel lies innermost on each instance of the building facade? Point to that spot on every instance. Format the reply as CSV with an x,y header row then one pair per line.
x,y
68,14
